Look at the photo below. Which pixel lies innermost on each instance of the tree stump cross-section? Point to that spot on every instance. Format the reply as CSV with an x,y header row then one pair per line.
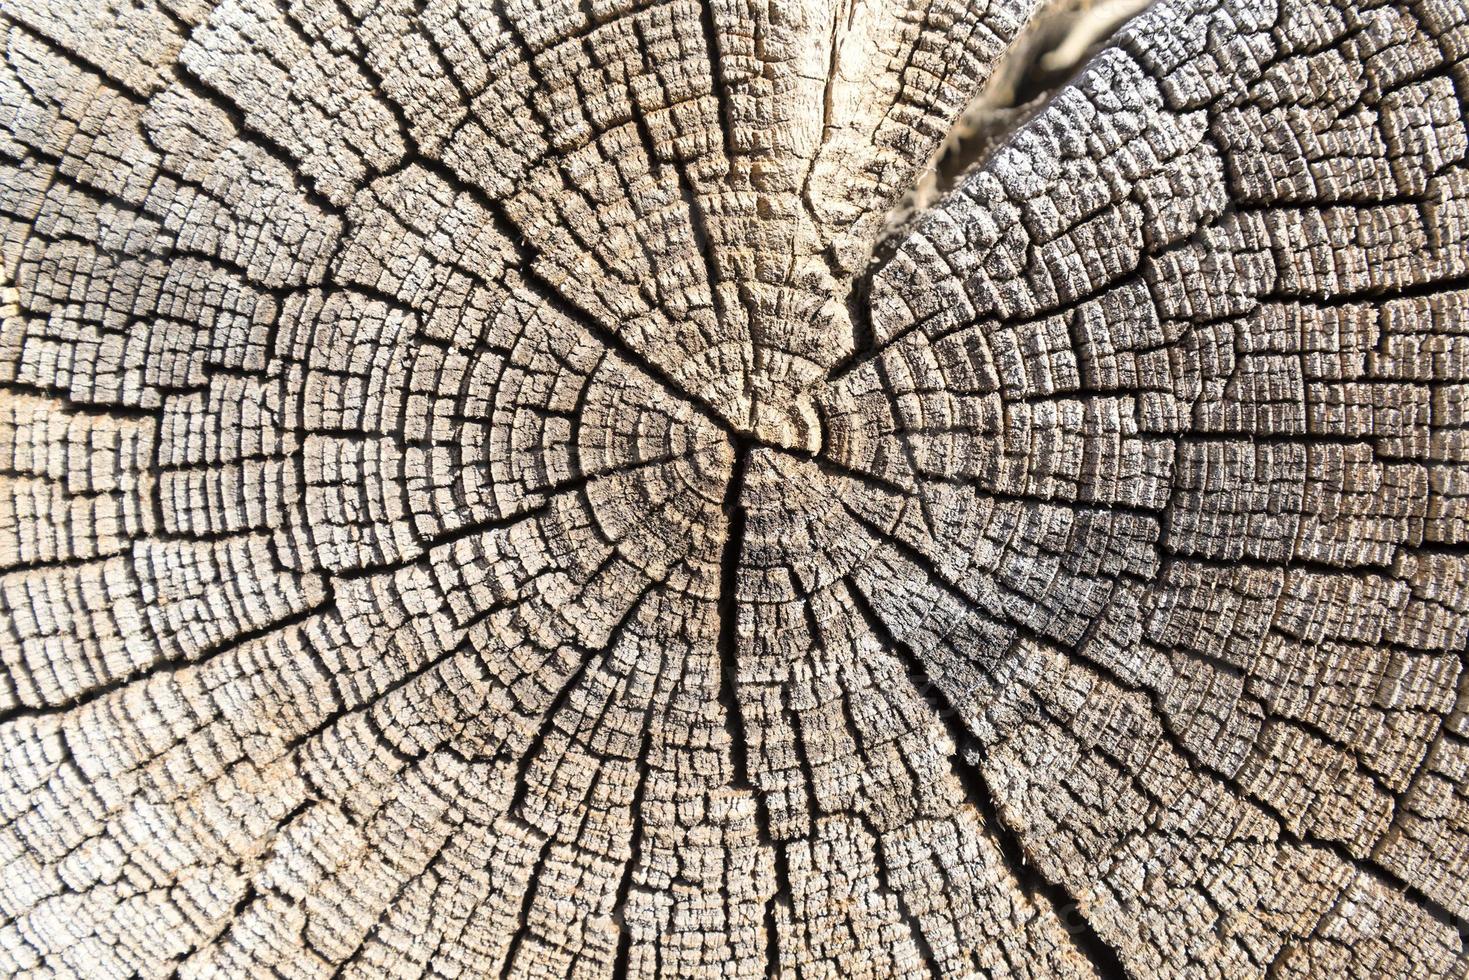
x,y
503,489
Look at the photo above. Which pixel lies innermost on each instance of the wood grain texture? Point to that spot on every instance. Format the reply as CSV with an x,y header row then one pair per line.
x,y
484,491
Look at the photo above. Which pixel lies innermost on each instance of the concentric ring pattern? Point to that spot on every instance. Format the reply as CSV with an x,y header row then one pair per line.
x,y
472,505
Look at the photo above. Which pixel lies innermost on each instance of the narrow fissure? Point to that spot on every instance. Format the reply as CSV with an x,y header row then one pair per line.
x,y
966,766
1060,39
622,962
728,648
697,218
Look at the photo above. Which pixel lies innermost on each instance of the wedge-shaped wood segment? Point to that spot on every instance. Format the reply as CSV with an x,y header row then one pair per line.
x,y
487,490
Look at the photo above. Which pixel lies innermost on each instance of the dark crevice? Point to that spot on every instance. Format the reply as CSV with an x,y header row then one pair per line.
x,y
772,938
698,220
734,720
967,765
728,643
167,667
1389,879
392,903
1060,39
527,902
435,542
885,886
716,78
527,255
1366,866
622,962
246,899
563,693
193,83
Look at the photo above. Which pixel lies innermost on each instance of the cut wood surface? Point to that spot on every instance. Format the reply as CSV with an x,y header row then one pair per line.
x,y
503,489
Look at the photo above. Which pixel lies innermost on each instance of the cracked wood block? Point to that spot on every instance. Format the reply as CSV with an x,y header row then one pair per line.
x,y
507,489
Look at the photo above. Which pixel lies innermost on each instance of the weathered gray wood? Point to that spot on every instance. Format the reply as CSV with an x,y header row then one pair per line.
x,y
482,492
